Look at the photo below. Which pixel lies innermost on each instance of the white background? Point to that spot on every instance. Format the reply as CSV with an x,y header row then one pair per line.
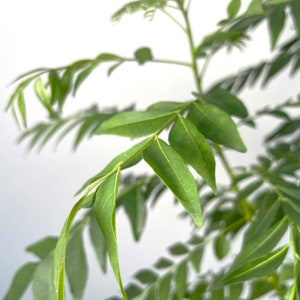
x,y
36,189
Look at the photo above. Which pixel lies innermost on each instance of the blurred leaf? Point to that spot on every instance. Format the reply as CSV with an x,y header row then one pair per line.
x,y
227,102
254,8
257,268
170,167
233,8
163,263
98,242
65,85
82,76
180,279
192,146
135,123
295,8
216,125
22,108
285,129
221,246
21,281
42,286
143,55
43,247
261,287
105,209
178,249
42,94
164,286
133,291
167,106
195,258
136,210
235,291
76,263
146,276
276,22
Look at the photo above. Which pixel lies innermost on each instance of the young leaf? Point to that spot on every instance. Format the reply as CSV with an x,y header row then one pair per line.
x,y
180,279
170,167
257,268
98,242
42,94
276,22
143,55
135,123
43,247
42,286
192,146
233,8
105,209
227,102
21,281
216,125
76,263
295,7
135,207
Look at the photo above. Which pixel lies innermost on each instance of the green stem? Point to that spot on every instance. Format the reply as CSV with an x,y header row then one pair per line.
x,y
189,34
172,18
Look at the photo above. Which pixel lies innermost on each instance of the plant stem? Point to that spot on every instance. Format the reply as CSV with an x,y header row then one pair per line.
x,y
194,64
172,18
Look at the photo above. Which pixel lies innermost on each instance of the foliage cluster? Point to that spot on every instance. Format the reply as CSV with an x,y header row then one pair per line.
x,y
260,203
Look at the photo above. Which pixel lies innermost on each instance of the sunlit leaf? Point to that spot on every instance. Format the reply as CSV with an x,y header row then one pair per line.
x,y
21,281
216,125
170,167
192,146
233,8
105,209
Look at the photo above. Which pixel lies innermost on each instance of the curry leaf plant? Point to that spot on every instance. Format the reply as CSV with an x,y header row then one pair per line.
x,y
180,142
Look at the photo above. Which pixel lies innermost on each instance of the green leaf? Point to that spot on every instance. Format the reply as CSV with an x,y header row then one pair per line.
x,y
135,207
167,106
261,287
82,76
22,108
233,8
216,125
60,251
55,86
235,291
98,242
163,263
146,276
164,286
285,129
295,8
170,167
135,123
221,246
192,146
180,279
42,94
254,8
66,85
143,55
76,263
257,268
105,210
43,247
133,291
195,258
42,286
276,21
178,249
227,102
262,244
21,281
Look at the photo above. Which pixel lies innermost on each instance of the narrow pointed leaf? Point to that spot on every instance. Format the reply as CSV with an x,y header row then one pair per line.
x,y
181,279
192,146
42,93
164,286
233,8
295,6
167,106
82,76
43,247
98,242
22,108
135,123
105,209
258,268
21,281
170,167
42,286
276,22
196,258
216,125
76,264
